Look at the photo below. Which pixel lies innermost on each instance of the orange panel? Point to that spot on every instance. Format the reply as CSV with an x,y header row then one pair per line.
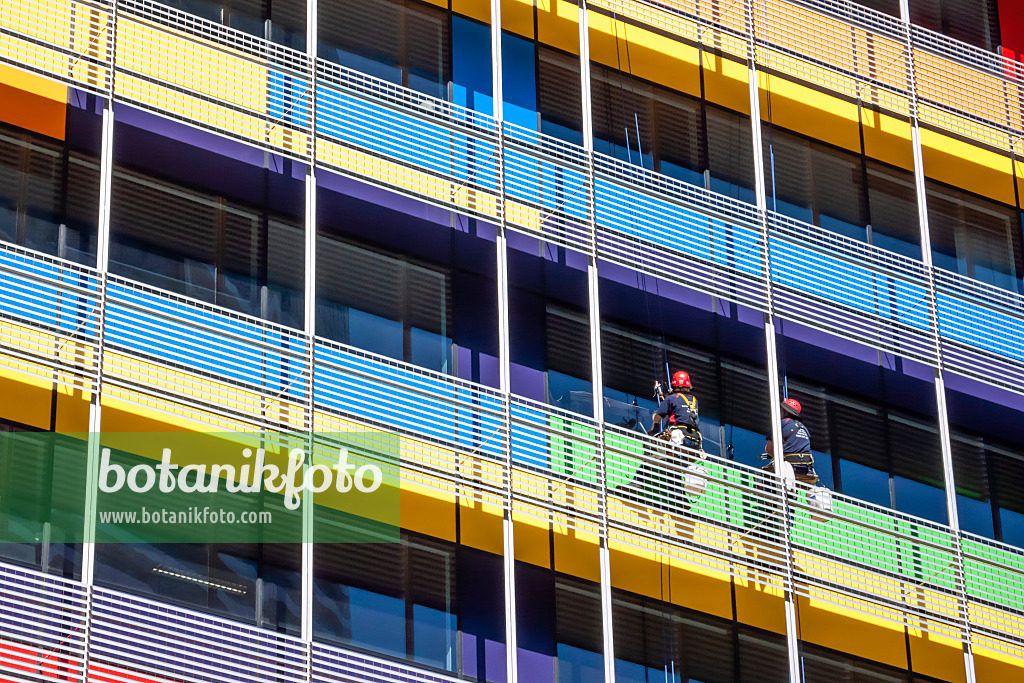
x,y
33,102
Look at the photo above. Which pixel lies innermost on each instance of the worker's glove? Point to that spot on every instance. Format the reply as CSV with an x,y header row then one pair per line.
x,y
654,431
766,456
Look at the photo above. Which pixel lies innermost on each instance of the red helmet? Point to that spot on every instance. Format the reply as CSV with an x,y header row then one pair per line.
x,y
681,380
791,406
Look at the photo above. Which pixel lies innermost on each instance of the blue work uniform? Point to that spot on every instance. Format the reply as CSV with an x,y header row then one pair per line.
x,y
795,437
681,411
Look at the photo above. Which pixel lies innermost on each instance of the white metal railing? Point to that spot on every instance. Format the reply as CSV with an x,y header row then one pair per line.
x,y
42,626
147,637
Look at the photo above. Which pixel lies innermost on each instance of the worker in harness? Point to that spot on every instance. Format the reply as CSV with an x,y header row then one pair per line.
x,y
796,445
680,408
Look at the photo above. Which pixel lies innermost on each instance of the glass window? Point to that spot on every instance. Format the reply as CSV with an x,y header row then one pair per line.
x,y
49,195
282,21
866,483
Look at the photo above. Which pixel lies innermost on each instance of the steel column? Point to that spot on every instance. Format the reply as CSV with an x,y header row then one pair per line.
x,y
939,381
792,641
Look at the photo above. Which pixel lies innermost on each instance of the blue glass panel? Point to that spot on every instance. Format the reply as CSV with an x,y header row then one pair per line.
x,y
897,245
916,498
430,350
628,672
747,445
579,666
570,393
471,62
376,334
866,483
851,230
1013,527
434,633
975,516
377,622
682,173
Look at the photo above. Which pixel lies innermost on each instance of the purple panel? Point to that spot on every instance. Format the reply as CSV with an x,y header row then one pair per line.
x,y
490,373
986,392
469,655
189,135
464,363
576,259
495,655
750,316
654,285
524,243
527,382
536,667
912,368
382,197
824,340
79,99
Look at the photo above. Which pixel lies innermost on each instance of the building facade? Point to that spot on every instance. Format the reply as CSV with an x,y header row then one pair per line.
x,y
487,229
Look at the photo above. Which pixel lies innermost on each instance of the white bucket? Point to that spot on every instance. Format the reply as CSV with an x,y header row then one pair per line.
x,y
695,480
819,498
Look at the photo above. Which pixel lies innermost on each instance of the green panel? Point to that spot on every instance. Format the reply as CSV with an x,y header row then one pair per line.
x,y
623,455
570,455
994,574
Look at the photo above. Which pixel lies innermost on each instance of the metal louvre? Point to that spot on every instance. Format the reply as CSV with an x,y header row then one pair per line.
x,y
334,665
547,187
850,288
859,52
212,76
556,465
149,637
862,556
994,582
42,626
456,416
69,40
665,227
733,527
390,135
238,350
982,329
959,84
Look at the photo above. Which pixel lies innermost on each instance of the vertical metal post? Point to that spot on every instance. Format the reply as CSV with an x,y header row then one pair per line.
x,y
792,642
309,318
89,513
597,380
504,362
939,381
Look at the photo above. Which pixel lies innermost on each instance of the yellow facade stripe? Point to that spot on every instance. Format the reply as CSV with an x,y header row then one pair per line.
x,y
68,352
203,67
205,390
211,114
393,173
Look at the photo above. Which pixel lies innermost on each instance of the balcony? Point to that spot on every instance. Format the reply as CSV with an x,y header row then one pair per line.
x,y
467,442
460,159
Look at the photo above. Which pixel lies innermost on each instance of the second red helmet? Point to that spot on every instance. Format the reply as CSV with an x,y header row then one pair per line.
x,y
791,405
681,380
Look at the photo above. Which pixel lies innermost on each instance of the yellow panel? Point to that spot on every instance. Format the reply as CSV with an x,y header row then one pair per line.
x,y
205,390
757,604
810,111
888,139
33,102
847,631
481,526
726,82
217,116
532,540
963,165
474,9
27,397
193,64
517,17
558,25
937,656
72,410
705,590
131,411
396,174
577,554
426,512
994,665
